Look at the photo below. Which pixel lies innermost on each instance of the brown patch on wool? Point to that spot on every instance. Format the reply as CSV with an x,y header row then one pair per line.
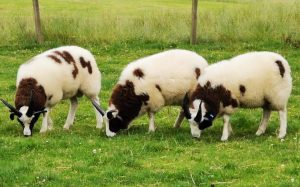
x,y
86,64
127,103
24,92
158,87
50,97
242,89
213,97
198,72
54,58
281,68
138,73
69,59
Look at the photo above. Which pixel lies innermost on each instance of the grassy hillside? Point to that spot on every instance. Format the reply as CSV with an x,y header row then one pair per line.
x,y
118,32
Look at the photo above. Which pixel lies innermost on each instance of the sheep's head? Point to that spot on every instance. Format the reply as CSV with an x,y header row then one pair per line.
x,y
124,106
26,116
113,121
200,114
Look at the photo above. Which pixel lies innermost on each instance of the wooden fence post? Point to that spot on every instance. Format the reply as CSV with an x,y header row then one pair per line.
x,y
194,21
37,21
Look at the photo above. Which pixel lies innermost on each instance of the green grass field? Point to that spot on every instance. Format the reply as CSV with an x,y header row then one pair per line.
x,y
118,32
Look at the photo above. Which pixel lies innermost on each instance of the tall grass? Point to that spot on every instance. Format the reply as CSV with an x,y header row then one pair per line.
x,y
219,21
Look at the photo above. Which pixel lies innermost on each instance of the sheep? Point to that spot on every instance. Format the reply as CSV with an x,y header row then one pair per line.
x,y
66,72
148,84
251,80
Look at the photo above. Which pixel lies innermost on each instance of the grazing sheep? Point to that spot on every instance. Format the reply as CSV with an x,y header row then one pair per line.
x,y
148,84
61,73
251,80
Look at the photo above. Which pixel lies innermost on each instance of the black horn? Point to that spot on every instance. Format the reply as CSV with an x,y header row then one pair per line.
x,y
31,105
97,106
39,112
199,114
12,109
185,106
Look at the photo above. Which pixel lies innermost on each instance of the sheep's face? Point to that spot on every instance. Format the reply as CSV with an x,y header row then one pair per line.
x,y
27,120
25,115
199,114
114,123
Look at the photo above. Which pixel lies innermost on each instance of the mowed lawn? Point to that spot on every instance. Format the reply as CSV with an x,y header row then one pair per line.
x,y
84,156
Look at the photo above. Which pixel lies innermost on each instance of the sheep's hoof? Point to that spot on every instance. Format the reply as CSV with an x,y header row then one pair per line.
x,y
110,134
196,135
281,135
176,126
99,126
151,130
259,132
43,130
66,127
224,138
50,127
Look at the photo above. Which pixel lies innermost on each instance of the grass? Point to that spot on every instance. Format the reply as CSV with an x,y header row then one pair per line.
x,y
165,21
83,156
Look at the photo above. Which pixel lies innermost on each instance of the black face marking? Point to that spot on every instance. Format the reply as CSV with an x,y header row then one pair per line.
x,y
116,124
207,120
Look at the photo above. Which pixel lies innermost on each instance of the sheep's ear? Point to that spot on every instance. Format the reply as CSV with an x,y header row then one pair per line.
x,y
12,116
112,114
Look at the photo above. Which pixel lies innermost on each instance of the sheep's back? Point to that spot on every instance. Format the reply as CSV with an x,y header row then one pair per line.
x,y
253,78
66,75
166,77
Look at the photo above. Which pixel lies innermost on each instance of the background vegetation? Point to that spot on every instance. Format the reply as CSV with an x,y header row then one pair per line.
x,y
110,21
118,32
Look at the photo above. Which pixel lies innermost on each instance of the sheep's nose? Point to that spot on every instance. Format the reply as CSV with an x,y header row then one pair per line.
x,y
27,135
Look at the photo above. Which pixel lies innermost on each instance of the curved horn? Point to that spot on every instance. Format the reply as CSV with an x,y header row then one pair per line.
x,y
199,114
97,106
12,109
110,115
30,107
185,106
39,112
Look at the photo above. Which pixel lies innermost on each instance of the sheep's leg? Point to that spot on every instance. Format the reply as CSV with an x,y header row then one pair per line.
x,y
283,123
264,122
230,129
179,119
44,126
99,117
71,114
226,128
151,122
49,120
